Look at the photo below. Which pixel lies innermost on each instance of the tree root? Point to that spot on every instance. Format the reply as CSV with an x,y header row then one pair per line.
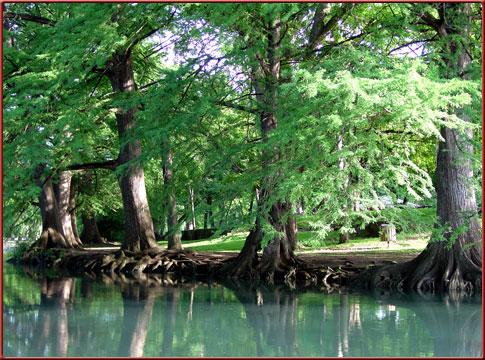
x,y
428,273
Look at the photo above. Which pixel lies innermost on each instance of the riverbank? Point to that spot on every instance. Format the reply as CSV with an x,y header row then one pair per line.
x,y
317,269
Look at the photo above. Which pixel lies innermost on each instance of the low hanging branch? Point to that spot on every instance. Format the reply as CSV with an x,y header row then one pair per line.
x,y
110,164
28,17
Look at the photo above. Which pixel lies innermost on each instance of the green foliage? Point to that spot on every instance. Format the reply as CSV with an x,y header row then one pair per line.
x,y
359,116
409,220
449,234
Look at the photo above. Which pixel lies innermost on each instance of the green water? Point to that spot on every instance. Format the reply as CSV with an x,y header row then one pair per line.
x,y
81,317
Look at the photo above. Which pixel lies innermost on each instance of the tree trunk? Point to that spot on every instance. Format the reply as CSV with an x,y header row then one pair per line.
x,y
174,235
52,234
246,263
441,267
208,219
278,255
291,229
72,212
90,233
138,225
64,198
190,224
458,267
453,263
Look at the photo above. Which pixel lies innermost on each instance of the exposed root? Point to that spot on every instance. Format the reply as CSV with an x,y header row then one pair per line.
x,y
433,271
180,264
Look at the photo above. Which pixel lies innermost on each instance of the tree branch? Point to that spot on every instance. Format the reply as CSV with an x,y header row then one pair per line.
x,y
110,164
320,28
141,38
150,32
29,17
236,107
431,21
411,43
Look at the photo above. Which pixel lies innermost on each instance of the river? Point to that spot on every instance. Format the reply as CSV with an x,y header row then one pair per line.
x,y
46,315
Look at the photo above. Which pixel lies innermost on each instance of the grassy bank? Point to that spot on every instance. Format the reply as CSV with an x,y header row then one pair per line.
x,y
309,242
414,225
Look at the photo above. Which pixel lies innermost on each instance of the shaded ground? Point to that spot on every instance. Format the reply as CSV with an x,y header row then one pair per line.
x,y
357,259
316,259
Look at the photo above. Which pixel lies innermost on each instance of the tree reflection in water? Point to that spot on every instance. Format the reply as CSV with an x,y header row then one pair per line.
x,y
272,315
172,297
435,312
53,331
141,317
138,303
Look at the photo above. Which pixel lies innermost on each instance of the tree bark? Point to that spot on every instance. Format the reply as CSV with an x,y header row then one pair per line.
x,y
64,198
52,235
72,212
174,236
138,225
246,263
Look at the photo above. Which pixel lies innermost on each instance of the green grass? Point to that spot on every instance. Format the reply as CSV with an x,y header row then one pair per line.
x,y
231,242
234,242
405,242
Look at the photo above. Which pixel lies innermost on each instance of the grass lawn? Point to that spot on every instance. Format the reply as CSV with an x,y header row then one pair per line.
x,y
308,243
406,242
231,242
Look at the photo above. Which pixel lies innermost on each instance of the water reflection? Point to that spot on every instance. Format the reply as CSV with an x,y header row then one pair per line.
x,y
138,304
122,317
272,315
52,325
455,326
